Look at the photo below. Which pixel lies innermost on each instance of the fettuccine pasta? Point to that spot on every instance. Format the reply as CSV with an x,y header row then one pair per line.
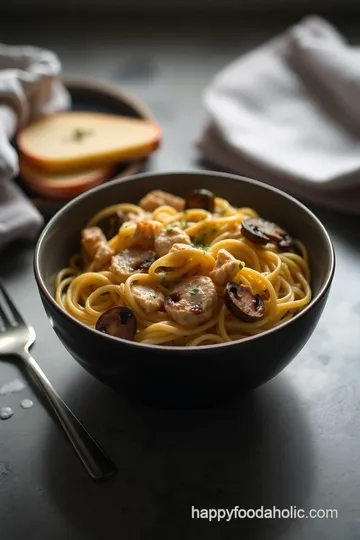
x,y
188,275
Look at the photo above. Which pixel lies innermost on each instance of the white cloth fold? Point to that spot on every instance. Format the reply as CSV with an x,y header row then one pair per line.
x,y
30,87
287,114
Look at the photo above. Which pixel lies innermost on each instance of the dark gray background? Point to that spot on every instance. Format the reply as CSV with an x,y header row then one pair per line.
x,y
180,5
295,441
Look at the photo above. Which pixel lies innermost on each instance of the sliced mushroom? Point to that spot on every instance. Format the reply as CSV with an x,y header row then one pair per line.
x,y
129,261
144,266
118,322
114,223
193,301
242,304
260,231
200,198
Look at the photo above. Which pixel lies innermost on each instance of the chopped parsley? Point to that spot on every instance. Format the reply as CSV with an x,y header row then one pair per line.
x,y
194,291
241,266
79,134
197,245
202,241
169,229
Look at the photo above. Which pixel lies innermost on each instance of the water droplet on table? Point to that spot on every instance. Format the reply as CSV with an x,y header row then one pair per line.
x,y
26,404
6,413
14,386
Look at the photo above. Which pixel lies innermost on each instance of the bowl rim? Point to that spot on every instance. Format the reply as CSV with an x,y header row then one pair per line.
x,y
171,348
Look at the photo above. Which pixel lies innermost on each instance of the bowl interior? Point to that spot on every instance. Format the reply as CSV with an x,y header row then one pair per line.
x,y
60,238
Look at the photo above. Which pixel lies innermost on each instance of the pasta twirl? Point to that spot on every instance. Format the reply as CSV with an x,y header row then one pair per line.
x,y
170,264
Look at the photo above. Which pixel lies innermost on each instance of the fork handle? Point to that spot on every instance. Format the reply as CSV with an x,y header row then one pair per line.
x,y
93,457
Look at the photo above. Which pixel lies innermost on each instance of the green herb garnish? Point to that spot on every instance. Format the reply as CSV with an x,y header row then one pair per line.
x,y
79,134
204,247
241,266
202,240
194,291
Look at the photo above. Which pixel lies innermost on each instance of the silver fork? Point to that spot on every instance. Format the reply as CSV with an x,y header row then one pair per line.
x,y
16,338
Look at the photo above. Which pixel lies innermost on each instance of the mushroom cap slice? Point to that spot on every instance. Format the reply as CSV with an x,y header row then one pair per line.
x,y
260,231
118,322
200,198
242,304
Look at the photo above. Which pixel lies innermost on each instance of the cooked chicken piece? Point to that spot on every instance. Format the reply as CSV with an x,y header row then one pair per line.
x,y
225,269
102,258
131,216
180,247
145,234
129,261
86,258
168,237
91,238
147,298
96,246
157,198
193,301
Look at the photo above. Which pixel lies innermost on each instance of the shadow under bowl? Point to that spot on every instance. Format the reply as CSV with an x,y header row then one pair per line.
x,y
178,376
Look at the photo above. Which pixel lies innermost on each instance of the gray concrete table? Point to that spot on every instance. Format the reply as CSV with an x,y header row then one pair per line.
x,y
294,442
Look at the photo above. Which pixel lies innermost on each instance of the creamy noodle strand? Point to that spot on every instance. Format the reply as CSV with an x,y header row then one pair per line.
x,y
279,275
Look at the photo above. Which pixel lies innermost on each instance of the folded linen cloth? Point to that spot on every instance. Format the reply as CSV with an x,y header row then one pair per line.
x,y
29,88
287,114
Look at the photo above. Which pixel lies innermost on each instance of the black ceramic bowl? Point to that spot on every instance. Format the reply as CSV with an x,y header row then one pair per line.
x,y
181,376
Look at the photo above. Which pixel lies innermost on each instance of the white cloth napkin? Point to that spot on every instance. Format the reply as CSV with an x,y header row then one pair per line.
x,y
288,114
29,88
